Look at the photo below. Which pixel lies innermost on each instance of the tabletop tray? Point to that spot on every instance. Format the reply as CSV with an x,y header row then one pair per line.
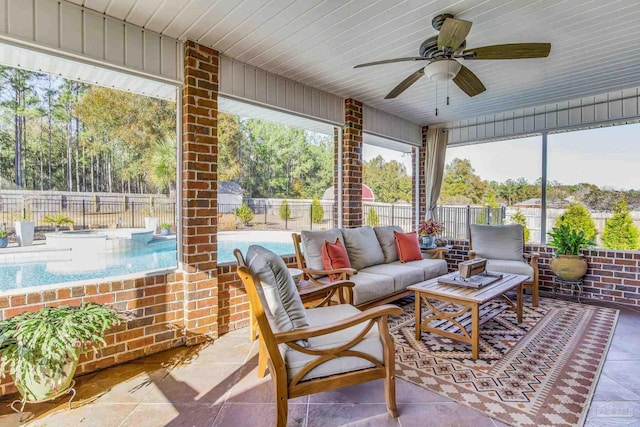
x,y
476,282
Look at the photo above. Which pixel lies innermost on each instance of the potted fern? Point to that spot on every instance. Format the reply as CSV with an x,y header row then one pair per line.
x,y
165,228
41,349
4,239
569,263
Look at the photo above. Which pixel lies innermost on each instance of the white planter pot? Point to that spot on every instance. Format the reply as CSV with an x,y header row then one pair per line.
x,y
24,232
151,223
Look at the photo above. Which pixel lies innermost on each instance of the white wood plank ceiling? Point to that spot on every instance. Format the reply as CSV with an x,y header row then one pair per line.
x,y
595,46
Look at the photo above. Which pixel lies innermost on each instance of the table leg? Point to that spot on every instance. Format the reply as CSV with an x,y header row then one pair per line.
x,y
475,332
418,315
519,304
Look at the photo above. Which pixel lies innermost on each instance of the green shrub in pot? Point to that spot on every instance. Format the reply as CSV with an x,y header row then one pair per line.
x,y
569,263
41,349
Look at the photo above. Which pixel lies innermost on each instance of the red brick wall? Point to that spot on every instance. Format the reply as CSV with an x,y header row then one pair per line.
x,y
155,305
352,164
612,275
420,177
200,191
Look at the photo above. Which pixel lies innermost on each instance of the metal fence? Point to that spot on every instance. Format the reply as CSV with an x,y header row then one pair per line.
x,y
85,213
382,214
270,214
457,218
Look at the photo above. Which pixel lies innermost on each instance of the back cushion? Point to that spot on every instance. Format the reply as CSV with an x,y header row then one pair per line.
x,y
387,241
334,256
312,242
497,241
362,246
279,295
408,246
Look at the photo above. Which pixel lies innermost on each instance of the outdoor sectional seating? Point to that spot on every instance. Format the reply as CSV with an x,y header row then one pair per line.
x,y
379,276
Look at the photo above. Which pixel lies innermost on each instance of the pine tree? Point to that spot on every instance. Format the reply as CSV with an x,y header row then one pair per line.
x,y
317,211
620,232
519,218
578,217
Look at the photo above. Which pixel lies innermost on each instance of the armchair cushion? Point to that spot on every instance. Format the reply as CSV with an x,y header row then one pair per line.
x,y
334,256
510,266
498,241
362,246
387,242
278,292
371,344
312,242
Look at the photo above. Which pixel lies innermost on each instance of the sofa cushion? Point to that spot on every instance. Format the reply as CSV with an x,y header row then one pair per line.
x,y
278,292
497,241
430,267
370,345
334,256
362,246
388,242
369,287
407,246
403,275
510,266
312,242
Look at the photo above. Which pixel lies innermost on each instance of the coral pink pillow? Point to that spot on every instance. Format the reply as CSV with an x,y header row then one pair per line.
x,y
407,246
334,256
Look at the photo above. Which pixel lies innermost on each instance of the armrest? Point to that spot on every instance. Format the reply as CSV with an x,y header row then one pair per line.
x,y
370,314
322,289
531,256
347,271
472,254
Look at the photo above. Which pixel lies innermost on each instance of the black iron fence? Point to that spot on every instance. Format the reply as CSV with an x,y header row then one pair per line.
x,y
86,213
275,214
457,218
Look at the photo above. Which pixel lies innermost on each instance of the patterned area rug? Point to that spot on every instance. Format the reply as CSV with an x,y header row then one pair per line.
x,y
542,372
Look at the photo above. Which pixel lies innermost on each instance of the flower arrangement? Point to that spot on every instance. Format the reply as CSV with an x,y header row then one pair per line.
x,y
430,228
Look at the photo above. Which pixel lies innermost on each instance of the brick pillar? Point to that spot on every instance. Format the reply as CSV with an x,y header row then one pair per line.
x,y
200,192
420,177
352,164
336,175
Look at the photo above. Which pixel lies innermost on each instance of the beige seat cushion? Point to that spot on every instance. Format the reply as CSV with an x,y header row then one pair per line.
x,y
369,287
370,345
388,242
498,241
430,267
403,275
509,266
362,246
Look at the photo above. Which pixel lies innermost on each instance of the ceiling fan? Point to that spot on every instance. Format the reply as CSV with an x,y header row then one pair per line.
x,y
444,50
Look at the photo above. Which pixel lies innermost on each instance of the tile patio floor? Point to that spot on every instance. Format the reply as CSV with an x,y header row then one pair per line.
x,y
216,385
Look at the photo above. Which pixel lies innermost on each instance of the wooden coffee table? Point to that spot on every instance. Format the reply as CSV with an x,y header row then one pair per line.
x,y
473,307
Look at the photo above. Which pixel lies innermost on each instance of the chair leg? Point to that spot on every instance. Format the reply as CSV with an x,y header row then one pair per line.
x,y
390,394
282,407
262,359
534,294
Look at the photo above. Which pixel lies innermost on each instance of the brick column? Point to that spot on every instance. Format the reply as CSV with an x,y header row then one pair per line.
x,y
352,164
200,192
420,177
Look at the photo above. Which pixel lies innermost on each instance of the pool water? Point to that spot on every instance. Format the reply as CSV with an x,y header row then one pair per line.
x,y
100,266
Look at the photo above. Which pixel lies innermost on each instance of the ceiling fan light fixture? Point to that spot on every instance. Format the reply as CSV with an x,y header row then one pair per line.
x,y
442,70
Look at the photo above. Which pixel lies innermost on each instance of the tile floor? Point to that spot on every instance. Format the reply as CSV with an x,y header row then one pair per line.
x,y
217,385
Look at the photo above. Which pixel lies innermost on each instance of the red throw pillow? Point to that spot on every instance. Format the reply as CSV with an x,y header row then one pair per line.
x,y
334,256
407,246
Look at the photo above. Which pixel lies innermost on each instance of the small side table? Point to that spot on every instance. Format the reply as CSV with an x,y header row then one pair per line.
x,y
436,252
576,287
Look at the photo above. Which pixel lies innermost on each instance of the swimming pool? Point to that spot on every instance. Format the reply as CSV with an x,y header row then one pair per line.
x,y
101,266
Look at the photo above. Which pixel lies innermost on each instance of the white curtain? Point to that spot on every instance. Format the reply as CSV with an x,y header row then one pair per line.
x,y
434,167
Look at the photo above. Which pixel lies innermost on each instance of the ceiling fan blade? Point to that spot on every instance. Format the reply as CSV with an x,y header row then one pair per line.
x,y
452,33
405,84
469,82
510,51
388,61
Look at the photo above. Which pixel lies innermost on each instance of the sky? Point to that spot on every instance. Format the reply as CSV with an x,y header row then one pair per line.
x,y
608,157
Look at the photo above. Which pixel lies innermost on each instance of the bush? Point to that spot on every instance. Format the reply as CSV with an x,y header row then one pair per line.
x,y
619,231
372,218
57,220
244,214
519,218
285,210
577,217
227,222
317,211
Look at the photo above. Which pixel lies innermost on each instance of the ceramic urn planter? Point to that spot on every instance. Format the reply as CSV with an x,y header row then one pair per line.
x,y
569,267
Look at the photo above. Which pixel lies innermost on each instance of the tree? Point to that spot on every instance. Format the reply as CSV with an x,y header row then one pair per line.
x,y
519,218
162,165
619,231
460,181
578,217
372,218
285,210
388,180
317,211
